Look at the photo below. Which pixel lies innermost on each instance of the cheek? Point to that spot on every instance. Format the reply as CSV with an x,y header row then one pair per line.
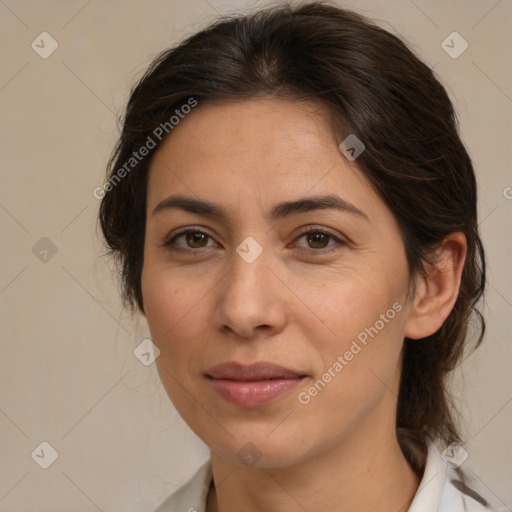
x,y
366,319
353,305
358,369
172,308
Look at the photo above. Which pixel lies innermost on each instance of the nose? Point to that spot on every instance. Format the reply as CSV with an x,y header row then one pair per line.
x,y
250,298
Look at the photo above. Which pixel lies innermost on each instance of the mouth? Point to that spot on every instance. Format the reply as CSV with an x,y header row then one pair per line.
x,y
252,385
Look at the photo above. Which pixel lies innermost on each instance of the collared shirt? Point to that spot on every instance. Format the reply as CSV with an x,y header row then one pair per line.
x,y
443,488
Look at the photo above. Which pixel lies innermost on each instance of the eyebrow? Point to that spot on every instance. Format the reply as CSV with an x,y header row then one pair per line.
x,y
278,211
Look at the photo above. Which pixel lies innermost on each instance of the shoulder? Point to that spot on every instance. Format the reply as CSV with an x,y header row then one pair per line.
x,y
447,487
191,497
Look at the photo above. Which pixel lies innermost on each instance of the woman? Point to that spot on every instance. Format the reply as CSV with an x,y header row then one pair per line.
x,y
295,215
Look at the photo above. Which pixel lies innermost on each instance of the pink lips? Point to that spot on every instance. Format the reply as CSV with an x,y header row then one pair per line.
x,y
252,385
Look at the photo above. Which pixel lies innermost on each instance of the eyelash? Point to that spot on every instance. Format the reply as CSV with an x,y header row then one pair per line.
x,y
310,229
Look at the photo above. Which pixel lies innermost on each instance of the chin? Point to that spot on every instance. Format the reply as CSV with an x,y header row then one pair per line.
x,y
261,450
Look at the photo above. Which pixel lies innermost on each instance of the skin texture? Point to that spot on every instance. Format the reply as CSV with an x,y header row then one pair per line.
x,y
292,306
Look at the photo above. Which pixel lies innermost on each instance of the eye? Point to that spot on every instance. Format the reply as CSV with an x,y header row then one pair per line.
x,y
193,239
318,240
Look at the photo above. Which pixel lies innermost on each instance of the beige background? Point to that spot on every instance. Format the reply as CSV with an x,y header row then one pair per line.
x,y
68,374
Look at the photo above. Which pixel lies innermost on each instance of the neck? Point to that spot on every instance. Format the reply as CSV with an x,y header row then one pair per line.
x,y
362,472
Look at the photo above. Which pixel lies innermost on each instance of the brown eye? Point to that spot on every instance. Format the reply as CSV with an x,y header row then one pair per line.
x,y
194,239
317,241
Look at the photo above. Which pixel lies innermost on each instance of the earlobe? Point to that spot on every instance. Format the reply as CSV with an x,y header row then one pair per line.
x,y
436,294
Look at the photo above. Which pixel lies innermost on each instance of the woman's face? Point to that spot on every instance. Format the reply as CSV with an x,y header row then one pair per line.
x,y
249,284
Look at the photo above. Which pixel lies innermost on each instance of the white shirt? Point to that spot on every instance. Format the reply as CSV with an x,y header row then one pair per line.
x,y
442,489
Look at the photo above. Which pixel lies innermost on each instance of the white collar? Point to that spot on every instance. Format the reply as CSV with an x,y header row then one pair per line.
x,y
445,488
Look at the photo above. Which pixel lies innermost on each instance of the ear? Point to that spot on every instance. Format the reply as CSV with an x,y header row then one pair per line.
x,y
436,294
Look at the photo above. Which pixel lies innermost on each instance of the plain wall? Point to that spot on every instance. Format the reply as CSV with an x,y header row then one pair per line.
x,y
68,374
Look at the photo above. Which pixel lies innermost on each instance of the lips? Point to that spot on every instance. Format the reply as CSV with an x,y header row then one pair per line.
x,y
252,372
252,385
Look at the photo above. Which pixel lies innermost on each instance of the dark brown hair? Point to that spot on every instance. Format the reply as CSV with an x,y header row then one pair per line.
x,y
373,86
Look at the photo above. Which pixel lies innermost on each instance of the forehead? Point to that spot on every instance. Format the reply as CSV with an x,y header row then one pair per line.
x,y
270,149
